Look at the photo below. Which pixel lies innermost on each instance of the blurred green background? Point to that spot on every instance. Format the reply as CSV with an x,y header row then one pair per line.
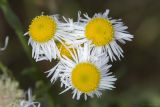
x,y
138,73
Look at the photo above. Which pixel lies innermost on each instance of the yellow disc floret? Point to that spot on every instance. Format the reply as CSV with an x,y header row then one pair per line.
x,y
100,31
42,29
85,77
64,51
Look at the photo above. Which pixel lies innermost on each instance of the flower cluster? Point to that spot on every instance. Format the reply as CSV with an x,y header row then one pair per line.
x,y
83,49
12,96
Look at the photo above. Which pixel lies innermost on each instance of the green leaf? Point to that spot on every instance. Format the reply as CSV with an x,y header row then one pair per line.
x,y
14,22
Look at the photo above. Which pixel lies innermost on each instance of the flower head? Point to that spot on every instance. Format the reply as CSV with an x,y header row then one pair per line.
x,y
102,32
86,73
44,32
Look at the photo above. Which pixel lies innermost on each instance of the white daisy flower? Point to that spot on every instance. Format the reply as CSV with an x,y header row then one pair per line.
x,y
86,73
29,101
5,45
102,32
43,33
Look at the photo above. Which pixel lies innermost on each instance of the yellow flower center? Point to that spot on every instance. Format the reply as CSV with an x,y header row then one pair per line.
x,y
42,29
64,51
100,31
85,77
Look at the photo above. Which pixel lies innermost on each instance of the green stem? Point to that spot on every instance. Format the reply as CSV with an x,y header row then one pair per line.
x,y
14,22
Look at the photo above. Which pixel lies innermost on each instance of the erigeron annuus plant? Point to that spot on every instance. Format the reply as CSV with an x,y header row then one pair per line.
x,y
87,73
44,31
103,32
83,49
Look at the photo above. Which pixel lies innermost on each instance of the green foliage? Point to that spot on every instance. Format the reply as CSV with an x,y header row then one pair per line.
x,y
14,22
